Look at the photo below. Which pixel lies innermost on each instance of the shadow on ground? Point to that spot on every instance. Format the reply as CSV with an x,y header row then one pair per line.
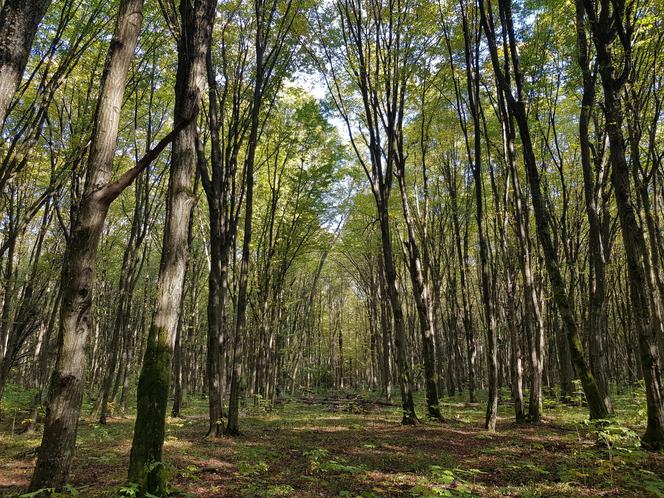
x,y
309,451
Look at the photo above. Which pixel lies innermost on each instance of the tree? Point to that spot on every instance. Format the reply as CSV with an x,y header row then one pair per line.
x,y
612,25
67,381
273,22
516,107
194,30
367,29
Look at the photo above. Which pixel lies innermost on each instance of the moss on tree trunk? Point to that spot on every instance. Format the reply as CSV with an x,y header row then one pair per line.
x,y
145,467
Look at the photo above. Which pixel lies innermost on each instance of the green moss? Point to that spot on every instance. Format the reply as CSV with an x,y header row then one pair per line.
x,y
146,467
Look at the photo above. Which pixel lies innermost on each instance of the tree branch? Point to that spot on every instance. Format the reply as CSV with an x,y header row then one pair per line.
x,y
111,191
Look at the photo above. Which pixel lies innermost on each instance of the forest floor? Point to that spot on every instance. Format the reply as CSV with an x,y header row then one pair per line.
x,y
360,450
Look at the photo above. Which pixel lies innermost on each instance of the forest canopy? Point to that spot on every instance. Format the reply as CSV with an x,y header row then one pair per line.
x,y
402,219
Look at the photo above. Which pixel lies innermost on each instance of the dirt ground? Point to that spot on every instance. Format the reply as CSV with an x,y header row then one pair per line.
x,y
349,449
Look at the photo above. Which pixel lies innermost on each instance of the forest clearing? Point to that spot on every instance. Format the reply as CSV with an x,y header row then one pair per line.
x,y
331,248
342,448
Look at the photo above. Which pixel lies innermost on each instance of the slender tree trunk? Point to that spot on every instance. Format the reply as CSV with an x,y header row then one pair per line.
x,y
122,313
178,366
636,253
145,466
178,360
270,37
635,250
606,25
597,319
409,416
385,325
422,304
241,310
517,109
28,317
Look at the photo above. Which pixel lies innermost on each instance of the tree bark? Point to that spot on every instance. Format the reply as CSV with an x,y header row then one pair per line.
x,y
19,20
422,303
597,312
66,389
145,467
271,34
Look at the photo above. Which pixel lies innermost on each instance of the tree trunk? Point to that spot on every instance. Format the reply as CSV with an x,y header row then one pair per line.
x,y
542,216
385,325
400,339
19,20
636,252
145,466
422,303
66,389
241,311
597,312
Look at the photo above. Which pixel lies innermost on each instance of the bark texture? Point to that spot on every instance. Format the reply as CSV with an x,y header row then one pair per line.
x,y
19,20
67,381
145,468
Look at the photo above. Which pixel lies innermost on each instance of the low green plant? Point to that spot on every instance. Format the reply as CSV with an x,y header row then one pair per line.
x,y
129,490
67,491
443,482
279,490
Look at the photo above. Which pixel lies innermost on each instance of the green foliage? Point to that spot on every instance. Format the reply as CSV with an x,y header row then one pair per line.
x,y
653,483
316,457
279,490
129,490
443,482
260,405
578,397
613,435
322,377
16,398
320,461
190,472
100,433
338,465
68,491
253,469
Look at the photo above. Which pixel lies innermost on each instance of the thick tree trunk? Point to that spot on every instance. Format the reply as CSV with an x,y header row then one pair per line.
x,y
66,389
145,466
